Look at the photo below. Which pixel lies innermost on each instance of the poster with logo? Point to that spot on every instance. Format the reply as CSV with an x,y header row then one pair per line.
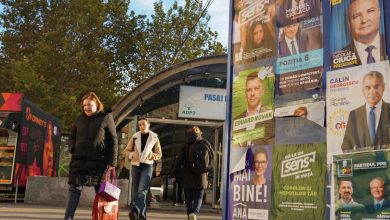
x,y
252,105
361,184
298,176
293,11
250,185
300,57
358,108
253,30
357,33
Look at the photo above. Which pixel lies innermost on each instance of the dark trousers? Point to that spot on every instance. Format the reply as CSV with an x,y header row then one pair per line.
x,y
177,196
194,198
74,198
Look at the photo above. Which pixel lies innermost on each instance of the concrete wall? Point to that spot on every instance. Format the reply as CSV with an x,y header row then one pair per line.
x,y
54,191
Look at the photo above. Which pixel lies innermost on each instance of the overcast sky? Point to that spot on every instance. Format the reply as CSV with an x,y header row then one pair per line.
x,y
219,12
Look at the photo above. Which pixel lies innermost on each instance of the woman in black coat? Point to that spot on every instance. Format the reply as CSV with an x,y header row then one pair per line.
x,y
94,147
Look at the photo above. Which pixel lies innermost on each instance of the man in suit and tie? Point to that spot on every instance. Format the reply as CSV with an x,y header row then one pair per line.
x,y
367,43
366,126
291,42
379,202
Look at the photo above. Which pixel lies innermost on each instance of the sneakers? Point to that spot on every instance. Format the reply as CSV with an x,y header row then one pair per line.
x,y
192,216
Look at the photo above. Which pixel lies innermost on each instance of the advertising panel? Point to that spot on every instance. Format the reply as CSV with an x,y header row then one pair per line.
x,y
253,101
300,57
293,11
358,108
298,176
361,184
357,33
250,186
253,30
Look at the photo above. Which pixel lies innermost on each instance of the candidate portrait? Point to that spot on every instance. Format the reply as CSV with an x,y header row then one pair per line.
x,y
367,44
367,124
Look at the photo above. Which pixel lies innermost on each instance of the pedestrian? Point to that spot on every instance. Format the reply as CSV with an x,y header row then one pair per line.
x,y
93,145
194,183
122,172
177,195
143,149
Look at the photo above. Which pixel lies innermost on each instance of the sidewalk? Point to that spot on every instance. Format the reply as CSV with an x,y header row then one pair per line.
x,y
158,211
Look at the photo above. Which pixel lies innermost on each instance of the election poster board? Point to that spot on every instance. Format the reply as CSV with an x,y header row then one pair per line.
x,y
386,9
300,57
250,186
298,176
351,37
253,30
350,94
252,105
293,11
363,177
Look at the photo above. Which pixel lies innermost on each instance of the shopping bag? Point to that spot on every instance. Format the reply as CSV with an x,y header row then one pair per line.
x,y
104,210
108,188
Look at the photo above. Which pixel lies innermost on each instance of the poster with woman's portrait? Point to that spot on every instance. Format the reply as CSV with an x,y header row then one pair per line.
x,y
250,185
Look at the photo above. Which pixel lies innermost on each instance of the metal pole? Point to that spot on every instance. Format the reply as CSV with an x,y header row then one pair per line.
x,y
16,190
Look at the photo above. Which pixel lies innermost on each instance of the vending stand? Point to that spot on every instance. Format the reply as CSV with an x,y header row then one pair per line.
x,y
29,141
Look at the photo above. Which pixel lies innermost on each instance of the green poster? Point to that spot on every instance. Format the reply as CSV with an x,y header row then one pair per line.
x,y
298,181
361,186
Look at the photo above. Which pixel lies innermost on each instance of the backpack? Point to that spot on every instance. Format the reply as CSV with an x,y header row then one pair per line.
x,y
201,157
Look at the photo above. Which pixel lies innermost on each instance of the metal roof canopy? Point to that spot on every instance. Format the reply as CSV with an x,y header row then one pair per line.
x,y
163,88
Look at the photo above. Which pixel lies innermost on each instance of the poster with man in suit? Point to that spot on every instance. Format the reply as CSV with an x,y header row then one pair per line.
x,y
358,108
360,40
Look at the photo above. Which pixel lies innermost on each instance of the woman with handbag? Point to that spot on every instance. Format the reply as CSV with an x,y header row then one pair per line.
x,y
143,149
93,145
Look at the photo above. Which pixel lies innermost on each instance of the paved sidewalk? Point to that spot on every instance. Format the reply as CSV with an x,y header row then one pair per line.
x,y
21,211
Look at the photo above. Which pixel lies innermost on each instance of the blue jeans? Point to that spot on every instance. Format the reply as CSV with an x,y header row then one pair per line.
x,y
141,178
194,198
74,198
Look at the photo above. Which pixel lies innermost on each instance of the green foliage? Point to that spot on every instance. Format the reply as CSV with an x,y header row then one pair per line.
x,y
54,51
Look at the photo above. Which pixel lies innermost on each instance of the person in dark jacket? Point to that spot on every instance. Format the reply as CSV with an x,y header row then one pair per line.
x,y
194,183
94,147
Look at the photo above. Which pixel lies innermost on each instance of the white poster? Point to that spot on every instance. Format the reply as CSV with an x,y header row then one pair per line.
x,y
358,109
202,102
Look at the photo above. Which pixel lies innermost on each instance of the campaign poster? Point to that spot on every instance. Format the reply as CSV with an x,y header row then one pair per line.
x,y
253,30
250,186
293,11
300,57
358,108
386,8
361,186
252,106
357,34
314,111
299,176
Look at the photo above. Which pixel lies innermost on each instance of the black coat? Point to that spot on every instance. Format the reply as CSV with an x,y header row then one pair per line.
x,y
93,145
188,178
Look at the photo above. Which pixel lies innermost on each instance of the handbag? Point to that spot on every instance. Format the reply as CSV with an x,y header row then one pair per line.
x,y
104,210
108,188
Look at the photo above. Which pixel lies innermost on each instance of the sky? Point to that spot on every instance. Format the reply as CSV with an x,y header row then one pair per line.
x,y
218,10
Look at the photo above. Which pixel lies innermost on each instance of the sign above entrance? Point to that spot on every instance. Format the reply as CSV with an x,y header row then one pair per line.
x,y
202,103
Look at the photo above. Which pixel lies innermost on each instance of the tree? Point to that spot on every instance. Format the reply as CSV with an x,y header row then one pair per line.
x,y
54,51
184,33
